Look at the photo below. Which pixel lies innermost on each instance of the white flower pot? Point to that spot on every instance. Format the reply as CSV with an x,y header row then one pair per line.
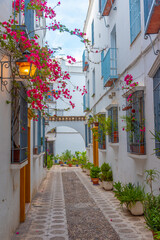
x,y
136,209
107,185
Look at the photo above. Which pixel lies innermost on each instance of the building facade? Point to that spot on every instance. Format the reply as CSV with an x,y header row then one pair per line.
x,y
69,135
120,33
21,140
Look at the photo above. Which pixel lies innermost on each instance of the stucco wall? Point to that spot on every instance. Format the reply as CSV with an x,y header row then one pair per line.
x,y
136,59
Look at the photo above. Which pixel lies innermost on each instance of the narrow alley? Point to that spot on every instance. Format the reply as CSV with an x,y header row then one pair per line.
x,y
68,206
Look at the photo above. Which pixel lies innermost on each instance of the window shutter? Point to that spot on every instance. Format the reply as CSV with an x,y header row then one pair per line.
x,y
92,31
135,18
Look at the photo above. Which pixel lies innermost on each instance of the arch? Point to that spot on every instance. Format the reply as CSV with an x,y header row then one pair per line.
x,y
76,125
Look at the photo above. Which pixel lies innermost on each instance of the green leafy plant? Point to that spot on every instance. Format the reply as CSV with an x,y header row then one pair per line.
x,y
89,165
49,161
106,172
156,137
151,176
95,172
152,213
129,193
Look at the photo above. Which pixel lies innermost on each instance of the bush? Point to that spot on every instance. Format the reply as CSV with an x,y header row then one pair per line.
x,y
95,171
152,213
106,172
49,161
129,193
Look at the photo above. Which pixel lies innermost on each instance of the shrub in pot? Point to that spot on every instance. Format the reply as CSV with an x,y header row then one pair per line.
x,y
152,214
88,167
106,177
132,196
94,173
69,163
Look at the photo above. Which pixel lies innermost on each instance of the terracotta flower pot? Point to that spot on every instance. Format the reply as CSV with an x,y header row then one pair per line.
x,y
70,164
95,181
115,135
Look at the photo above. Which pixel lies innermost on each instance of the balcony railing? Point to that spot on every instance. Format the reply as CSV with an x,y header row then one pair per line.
x,y
109,67
152,16
106,6
85,61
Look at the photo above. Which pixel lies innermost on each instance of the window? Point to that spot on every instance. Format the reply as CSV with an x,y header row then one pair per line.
x,y
19,125
39,132
113,115
156,88
100,8
136,124
49,94
92,32
86,135
135,19
93,81
88,96
101,135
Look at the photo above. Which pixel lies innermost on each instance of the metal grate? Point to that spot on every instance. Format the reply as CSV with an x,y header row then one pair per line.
x,y
19,125
136,138
113,114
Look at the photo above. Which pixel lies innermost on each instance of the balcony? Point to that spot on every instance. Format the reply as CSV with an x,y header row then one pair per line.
x,y
106,6
85,61
109,67
152,16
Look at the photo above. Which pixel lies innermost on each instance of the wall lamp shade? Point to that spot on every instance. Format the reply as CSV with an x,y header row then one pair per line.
x,y
25,69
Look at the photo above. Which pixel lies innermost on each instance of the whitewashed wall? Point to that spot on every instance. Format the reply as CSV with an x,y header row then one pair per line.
x,y
10,178
136,59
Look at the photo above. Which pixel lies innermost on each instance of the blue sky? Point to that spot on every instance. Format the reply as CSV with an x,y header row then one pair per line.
x,y
71,13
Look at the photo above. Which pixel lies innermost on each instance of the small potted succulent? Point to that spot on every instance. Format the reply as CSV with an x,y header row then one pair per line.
x,y
95,173
106,177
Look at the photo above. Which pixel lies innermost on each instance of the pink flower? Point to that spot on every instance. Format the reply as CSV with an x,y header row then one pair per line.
x,y
4,36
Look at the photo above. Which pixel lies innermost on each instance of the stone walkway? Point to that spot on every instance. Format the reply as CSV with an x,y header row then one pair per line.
x,y
68,207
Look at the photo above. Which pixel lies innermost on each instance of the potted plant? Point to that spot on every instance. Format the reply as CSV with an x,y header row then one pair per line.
x,y
69,163
106,177
56,158
94,173
88,167
132,196
152,214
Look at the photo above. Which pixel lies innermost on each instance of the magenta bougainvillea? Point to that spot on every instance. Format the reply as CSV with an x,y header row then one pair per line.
x,y
48,69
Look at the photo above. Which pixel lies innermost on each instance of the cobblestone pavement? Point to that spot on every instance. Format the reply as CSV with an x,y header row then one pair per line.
x,y
74,209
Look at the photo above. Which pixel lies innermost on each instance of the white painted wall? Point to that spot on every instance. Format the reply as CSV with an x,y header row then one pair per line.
x,y
136,59
73,142
68,138
9,178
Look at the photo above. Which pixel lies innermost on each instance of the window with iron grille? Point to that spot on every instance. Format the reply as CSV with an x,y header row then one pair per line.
x,y
92,32
19,125
39,132
156,91
34,137
43,134
93,81
86,135
113,114
101,135
136,123
135,18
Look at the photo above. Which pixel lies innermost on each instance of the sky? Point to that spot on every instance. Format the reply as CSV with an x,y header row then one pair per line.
x,y
71,13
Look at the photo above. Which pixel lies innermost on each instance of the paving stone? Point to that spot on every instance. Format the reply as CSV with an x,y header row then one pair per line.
x,y
58,232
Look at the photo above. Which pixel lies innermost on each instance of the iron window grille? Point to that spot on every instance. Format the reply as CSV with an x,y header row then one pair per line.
x,y
39,132
101,136
113,114
156,92
19,125
136,136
